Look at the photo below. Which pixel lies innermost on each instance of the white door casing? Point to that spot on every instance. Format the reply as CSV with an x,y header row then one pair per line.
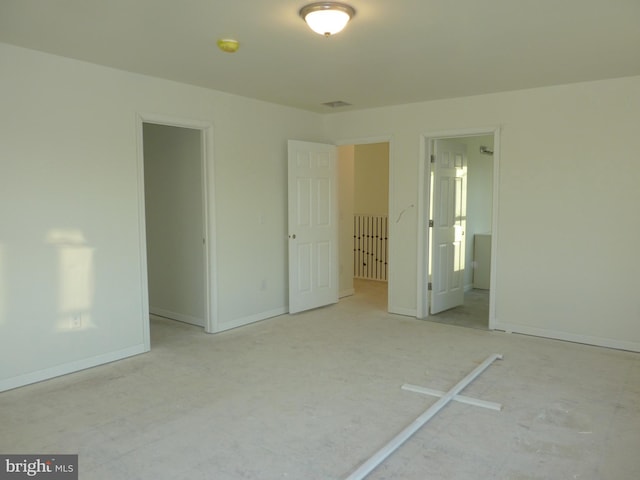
x,y
313,225
209,220
449,201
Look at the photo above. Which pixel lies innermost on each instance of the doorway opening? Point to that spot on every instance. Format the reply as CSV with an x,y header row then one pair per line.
x,y
173,173
458,226
363,174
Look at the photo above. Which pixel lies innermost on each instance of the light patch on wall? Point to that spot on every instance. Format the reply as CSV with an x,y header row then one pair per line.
x,y
75,278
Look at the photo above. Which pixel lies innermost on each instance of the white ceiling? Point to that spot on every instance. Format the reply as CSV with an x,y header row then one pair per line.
x,y
393,52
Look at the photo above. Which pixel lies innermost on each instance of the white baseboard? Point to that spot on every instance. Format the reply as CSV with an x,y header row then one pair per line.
x,y
71,367
239,322
176,316
346,293
566,336
409,312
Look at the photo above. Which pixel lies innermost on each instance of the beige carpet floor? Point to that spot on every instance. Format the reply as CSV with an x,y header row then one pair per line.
x,y
473,313
311,396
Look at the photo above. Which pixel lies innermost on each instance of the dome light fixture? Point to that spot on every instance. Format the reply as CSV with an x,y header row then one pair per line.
x,y
327,18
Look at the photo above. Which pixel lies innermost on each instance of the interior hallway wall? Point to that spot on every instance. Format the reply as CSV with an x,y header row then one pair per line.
x,y
371,178
346,198
567,206
174,222
479,197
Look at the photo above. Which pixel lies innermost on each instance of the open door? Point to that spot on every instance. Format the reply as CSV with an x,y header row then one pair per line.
x,y
313,226
449,204
175,222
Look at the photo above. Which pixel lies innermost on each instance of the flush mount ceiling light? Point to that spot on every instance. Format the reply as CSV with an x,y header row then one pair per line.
x,y
327,18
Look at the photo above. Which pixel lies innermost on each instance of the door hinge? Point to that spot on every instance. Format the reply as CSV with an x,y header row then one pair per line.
x,y
430,286
433,158
431,223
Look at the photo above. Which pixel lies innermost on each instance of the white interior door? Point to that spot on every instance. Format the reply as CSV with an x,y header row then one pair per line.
x,y
313,226
449,204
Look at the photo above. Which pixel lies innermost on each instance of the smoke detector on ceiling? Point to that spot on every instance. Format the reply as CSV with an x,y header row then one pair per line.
x,y
228,45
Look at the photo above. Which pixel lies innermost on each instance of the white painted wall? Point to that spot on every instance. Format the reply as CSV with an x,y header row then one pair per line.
x,y
70,242
371,178
174,222
346,198
479,196
568,203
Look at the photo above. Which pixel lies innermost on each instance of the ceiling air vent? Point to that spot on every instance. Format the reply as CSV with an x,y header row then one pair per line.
x,y
336,104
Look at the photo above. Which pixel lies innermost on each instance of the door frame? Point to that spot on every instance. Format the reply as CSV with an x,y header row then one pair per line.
x,y
208,220
424,201
382,139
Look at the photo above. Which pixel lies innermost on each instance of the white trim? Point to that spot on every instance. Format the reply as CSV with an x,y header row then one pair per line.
x,y
70,367
377,458
458,398
409,312
422,213
181,317
209,220
365,140
494,230
424,195
142,235
567,336
346,293
239,322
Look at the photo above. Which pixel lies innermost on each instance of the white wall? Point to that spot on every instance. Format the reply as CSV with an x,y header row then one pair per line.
x,y
70,242
568,203
174,222
371,178
479,196
346,198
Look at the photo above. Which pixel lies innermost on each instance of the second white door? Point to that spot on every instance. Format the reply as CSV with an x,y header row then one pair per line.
x,y
449,205
313,226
